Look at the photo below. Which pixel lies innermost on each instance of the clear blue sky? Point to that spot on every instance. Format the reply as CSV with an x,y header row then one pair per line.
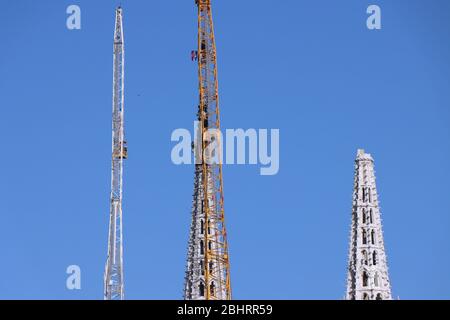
x,y
310,68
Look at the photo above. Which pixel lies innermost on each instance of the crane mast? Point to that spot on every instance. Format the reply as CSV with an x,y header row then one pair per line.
x,y
113,280
208,267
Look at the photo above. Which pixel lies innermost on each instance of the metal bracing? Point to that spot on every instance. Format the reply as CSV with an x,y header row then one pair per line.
x,y
208,266
368,277
113,280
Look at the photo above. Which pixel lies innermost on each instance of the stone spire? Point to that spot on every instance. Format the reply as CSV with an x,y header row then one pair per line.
x,y
368,277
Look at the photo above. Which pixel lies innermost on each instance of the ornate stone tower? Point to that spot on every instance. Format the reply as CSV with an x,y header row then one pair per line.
x,y
368,277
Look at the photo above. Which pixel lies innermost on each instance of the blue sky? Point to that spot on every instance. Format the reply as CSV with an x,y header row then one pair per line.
x,y
310,68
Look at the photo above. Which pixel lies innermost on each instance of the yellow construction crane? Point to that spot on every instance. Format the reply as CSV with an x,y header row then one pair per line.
x,y
208,265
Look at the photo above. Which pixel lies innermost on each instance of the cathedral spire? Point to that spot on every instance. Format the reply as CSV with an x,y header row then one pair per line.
x,y
368,277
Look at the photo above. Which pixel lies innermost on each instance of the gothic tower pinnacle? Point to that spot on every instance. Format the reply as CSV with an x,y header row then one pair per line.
x,y
368,277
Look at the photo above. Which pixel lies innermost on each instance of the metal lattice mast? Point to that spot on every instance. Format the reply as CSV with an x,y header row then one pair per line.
x,y
113,285
368,277
208,267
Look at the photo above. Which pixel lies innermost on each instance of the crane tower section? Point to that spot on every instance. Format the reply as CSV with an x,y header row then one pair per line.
x,y
113,279
208,267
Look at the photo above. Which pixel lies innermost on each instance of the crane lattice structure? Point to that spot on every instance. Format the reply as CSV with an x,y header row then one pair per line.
x,y
368,277
113,285
208,266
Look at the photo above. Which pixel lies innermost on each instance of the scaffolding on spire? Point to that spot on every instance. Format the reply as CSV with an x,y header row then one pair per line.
x,y
208,267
